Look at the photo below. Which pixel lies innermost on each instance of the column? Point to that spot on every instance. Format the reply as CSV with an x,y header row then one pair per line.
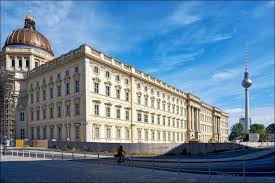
x,y
198,118
189,118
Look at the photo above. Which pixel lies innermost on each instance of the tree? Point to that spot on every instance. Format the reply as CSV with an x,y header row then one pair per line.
x,y
270,128
260,129
237,130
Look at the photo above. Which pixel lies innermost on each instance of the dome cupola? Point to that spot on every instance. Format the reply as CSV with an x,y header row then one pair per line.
x,y
29,37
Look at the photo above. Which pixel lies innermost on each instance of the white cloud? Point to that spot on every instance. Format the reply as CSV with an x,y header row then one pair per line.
x,y
263,115
225,75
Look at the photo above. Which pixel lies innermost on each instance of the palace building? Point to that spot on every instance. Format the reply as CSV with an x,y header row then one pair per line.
x,y
86,95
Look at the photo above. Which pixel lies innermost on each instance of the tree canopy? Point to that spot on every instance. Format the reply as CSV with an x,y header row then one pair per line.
x,y
260,129
237,130
270,128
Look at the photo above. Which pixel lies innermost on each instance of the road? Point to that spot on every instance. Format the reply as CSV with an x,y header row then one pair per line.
x,y
264,166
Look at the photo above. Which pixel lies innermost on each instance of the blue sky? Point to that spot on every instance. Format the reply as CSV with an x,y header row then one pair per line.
x,y
198,47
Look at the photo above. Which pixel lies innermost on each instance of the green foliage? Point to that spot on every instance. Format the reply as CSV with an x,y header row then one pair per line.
x,y
260,129
237,130
270,128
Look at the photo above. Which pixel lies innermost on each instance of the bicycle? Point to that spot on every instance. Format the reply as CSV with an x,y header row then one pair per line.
x,y
121,160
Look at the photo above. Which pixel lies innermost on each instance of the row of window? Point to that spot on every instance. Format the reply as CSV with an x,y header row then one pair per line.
x,y
108,112
174,109
154,134
60,132
51,91
108,75
108,91
59,112
164,96
169,122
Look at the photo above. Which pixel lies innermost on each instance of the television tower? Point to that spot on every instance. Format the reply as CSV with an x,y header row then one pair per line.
x,y
246,83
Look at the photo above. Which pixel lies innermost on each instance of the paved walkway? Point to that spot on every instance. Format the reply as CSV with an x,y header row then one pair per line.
x,y
19,169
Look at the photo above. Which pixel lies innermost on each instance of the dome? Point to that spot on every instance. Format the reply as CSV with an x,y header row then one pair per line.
x,y
29,36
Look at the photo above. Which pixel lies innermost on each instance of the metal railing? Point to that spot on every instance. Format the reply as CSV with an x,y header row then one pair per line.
x,y
176,165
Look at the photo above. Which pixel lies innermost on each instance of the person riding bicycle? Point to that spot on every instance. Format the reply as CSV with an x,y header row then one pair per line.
x,y
120,152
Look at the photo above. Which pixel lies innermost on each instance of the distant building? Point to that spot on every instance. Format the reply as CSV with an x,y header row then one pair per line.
x,y
242,121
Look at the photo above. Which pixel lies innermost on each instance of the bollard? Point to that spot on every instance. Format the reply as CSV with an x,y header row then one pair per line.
x,y
36,154
17,152
23,153
209,168
44,155
11,152
29,154
72,155
84,155
52,155
62,155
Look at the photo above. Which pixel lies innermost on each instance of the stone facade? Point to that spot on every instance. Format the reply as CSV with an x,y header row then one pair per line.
x,y
88,96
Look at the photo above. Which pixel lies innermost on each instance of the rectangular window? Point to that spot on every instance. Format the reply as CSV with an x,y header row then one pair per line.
x,y
158,105
146,101
139,117
77,109
146,135
44,133
152,103
107,90
107,74
97,133
127,96
76,70
59,133
44,114
158,118
96,87
118,113
32,133
37,114
127,115
108,132
96,110
32,115
152,135
68,110
13,63
118,133
51,92
138,99
38,133
163,120
67,88
146,118
139,134
158,135
77,133
36,64
20,63
152,118
164,136
22,134
51,112
67,72
59,90
59,111
27,63
118,93
22,116
108,111
127,134
51,133
76,86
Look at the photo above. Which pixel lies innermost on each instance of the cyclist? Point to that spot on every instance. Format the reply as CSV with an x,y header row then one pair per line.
x,y
120,153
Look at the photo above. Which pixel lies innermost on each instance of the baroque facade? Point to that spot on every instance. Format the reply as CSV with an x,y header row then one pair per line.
x,y
87,95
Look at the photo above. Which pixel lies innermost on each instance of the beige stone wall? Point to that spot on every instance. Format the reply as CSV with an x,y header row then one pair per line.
x,y
151,112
